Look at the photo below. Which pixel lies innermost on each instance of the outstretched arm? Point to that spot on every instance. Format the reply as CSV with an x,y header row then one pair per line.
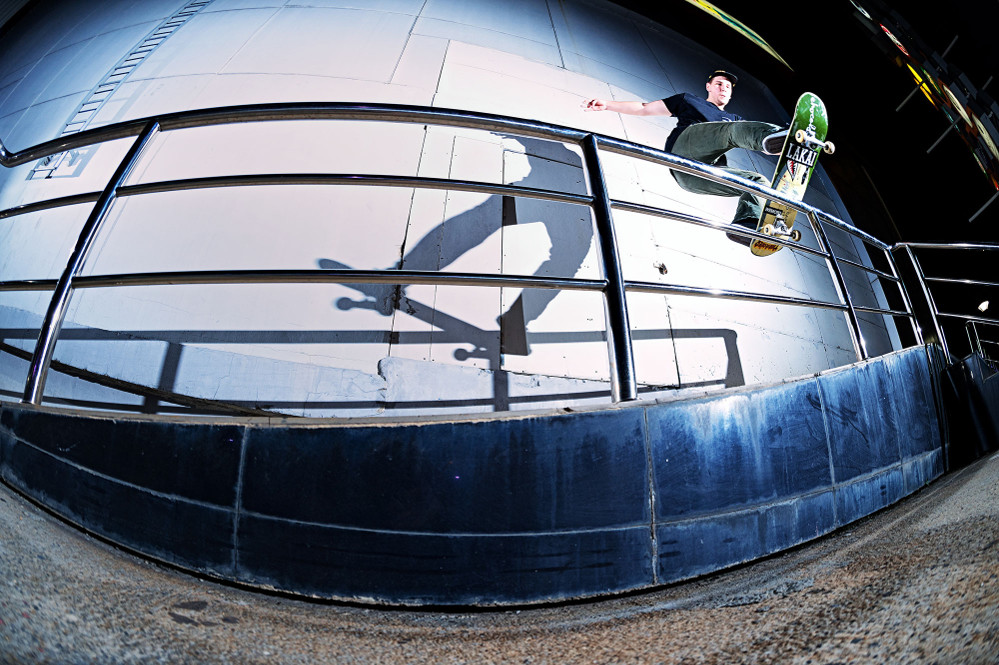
x,y
630,108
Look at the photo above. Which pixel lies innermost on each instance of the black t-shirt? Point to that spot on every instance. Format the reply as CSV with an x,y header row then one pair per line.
x,y
690,110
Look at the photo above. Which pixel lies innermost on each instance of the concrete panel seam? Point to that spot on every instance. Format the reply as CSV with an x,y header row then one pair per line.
x,y
650,478
238,499
112,479
829,448
447,534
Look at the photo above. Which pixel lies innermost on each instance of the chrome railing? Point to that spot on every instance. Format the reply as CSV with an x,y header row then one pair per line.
x,y
957,257
612,284
985,345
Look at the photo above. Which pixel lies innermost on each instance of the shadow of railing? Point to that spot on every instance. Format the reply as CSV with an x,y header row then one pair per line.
x,y
165,398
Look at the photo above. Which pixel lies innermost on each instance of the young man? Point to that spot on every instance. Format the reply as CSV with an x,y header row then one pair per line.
x,y
705,131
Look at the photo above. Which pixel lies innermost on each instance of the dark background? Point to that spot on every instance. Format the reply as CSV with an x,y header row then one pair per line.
x,y
893,187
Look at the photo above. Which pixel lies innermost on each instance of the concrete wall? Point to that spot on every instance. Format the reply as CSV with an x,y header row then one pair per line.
x,y
521,508
343,351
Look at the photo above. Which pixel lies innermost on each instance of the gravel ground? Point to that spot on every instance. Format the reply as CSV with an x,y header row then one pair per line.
x,y
916,583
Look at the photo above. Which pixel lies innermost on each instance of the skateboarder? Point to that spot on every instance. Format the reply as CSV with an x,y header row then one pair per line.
x,y
705,131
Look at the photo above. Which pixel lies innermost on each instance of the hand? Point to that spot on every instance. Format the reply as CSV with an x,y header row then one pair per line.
x,y
594,105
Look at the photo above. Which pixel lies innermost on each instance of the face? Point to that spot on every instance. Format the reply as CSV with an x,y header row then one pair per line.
x,y
719,91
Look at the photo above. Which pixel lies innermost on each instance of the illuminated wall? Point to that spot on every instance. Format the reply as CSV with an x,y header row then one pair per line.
x,y
337,350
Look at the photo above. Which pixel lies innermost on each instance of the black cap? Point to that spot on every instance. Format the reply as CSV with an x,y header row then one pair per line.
x,y
729,75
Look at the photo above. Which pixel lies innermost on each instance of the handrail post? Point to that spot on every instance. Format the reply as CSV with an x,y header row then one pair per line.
x,y
973,339
624,386
855,332
48,334
930,302
916,330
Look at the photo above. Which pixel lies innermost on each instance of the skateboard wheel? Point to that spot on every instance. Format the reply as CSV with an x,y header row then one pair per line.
x,y
829,148
800,136
796,235
767,230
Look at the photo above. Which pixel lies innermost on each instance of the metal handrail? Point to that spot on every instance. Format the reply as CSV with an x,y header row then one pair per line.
x,y
816,217
713,173
49,204
726,294
869,269
356,179
293,111
697,221
951,246
962,282
975,340
52,323
405,114
839,279
926,281
622,359
328,276
613,286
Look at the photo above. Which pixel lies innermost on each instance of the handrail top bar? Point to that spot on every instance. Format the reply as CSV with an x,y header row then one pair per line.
x,y
938,245
399,113
114,132
245,113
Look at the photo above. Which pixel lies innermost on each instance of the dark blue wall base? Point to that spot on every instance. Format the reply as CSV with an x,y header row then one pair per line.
x,y
489,511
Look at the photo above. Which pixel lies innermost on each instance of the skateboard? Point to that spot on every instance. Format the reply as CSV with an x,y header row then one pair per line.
x,y
806,139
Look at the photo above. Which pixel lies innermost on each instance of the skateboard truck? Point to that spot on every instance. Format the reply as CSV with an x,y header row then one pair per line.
x,y
803,137
781,231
